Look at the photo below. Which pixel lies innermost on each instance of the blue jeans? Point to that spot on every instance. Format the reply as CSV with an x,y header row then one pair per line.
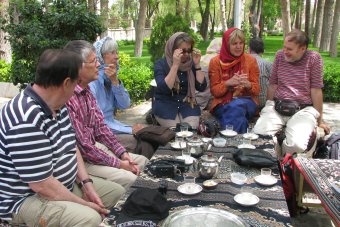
x,y
236,113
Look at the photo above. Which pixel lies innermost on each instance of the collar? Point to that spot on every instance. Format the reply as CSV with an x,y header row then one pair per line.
x,y
79,90
31,93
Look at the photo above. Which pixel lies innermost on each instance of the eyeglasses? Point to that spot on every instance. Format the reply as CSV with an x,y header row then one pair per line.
x,y
91,62
189,50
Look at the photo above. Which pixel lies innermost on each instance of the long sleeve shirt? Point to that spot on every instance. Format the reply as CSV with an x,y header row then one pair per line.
x,y
109,100
88,122
168,103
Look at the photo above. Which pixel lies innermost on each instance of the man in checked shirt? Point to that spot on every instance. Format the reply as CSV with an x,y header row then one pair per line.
x,y
104,156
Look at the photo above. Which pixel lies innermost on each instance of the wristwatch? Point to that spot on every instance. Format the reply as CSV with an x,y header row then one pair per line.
x,y
83,182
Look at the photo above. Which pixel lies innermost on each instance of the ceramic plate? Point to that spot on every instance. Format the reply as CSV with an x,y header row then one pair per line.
x,y
250,146
189,189
188,160
228,133
265,180
246,199
251,136
184,134
178,145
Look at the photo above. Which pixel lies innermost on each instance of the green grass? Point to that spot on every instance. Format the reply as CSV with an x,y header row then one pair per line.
x,y
272,45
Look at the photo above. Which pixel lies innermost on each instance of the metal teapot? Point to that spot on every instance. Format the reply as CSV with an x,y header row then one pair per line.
x,y
196,146
207,166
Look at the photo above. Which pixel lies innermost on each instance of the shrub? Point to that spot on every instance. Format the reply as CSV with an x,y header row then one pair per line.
x,y
163,28
135,76
40,27
4,71
331,90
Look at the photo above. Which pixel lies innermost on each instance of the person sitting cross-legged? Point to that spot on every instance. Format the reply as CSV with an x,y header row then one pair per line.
x,y
40,164
111,95
103,154
294,97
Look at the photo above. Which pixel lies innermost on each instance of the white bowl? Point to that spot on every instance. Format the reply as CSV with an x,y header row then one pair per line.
x,y
219,142
238,178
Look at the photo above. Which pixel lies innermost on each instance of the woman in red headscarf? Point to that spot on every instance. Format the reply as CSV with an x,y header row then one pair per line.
x,y
234,82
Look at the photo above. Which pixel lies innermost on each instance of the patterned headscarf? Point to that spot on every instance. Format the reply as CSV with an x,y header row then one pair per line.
x,y
98,45
187,66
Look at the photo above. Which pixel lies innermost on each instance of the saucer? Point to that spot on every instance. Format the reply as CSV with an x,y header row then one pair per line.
x,y
251,136
178,145
265,180
228,133
250,146
184,134
246,199
206,139
189,189
188,160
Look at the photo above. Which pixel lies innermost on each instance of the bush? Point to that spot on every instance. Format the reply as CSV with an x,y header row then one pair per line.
x,y
40,27
331,90
4,71
163,28
135,76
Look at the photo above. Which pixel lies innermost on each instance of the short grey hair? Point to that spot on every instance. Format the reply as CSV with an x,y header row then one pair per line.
x,y
109,46
81,47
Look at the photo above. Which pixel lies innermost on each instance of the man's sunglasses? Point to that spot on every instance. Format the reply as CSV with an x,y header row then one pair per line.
x,y
189,50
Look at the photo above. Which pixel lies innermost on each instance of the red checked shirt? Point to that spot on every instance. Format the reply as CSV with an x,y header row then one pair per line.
x,y
88,121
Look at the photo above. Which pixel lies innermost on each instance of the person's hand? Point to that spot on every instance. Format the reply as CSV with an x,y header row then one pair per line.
x,y
111,73
90,195
136,128
130,166
176,57
325,127
196,56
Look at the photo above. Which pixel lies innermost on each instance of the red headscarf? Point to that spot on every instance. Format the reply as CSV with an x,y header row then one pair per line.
x,y
230,64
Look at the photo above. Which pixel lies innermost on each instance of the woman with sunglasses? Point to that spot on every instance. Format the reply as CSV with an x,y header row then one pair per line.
x,y
234,82
178,75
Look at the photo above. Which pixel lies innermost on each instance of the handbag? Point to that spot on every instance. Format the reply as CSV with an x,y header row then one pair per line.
x,y
156,135
254,158
287,107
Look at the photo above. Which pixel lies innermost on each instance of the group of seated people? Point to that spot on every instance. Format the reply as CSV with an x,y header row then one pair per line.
x,y
65,160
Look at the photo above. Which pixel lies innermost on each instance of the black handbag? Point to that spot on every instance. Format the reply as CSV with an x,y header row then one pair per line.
x,y
287,107
254,158
156,135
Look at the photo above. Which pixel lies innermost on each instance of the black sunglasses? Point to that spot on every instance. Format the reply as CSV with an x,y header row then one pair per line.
x,y
189,50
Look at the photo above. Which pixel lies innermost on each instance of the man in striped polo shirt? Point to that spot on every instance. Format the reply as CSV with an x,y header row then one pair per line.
x,y
296,76
39,161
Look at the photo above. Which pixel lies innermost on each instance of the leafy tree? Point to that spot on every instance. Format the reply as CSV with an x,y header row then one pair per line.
x,y
163,28
38,28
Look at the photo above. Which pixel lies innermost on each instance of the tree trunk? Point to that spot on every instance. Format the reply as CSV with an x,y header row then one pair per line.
x,y
312,27
254,17
335,30
5,46
104,13
318,23
308,19
212,21
178,8
327,25
140,27
223,16
91,5
285,10
298,14
230,9
205,19
187,10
